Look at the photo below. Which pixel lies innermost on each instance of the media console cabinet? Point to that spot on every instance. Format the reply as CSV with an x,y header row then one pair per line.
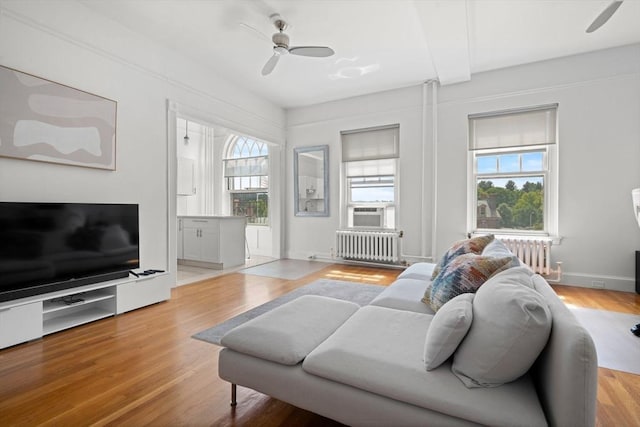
x,y
33,317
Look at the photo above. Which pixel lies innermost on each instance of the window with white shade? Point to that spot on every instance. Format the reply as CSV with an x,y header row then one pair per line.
x,y
513,171
246,171
369,158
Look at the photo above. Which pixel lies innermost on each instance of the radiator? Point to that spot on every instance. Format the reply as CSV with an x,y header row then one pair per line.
x,y
533,251
373,246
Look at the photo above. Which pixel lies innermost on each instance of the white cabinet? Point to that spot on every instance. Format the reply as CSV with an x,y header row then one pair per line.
x,y
32,317
186,177
142,292
201,239
191,243
180,239
20,324
214,242
210,244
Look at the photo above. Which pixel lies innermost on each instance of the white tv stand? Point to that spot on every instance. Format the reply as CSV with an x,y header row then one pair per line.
x,y
31,318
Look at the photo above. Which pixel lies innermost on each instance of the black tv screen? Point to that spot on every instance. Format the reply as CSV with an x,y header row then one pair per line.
x,y
45,247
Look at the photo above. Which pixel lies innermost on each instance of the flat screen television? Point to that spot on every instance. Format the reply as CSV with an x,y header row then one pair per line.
x,y
46,247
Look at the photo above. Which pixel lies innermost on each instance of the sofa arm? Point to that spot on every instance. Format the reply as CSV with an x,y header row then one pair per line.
x,y
566,372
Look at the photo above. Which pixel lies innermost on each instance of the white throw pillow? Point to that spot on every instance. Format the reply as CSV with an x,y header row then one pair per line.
x,y
511,326
447,329
497,249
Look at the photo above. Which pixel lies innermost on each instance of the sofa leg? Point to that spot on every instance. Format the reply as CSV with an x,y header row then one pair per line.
x,y
234,388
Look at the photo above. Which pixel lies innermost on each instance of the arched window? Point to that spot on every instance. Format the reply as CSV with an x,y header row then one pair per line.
x,y
243,146
246,167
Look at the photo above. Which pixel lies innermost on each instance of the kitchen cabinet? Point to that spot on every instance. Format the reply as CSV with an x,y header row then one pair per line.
x,y
180,239
212,241
186,177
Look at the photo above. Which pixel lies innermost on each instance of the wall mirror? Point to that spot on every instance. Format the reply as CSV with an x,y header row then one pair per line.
x,y
311,180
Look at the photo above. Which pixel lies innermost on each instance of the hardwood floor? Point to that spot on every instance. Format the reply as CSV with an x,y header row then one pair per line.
x,y
143,367
618,392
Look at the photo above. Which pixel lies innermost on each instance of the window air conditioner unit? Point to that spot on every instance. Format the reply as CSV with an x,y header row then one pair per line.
x,y
368,217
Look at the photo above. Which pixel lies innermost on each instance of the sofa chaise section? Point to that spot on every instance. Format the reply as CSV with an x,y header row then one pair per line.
x,y
335,400
380,350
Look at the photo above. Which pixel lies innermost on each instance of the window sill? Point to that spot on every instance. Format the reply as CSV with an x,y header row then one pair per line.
x,y
555,240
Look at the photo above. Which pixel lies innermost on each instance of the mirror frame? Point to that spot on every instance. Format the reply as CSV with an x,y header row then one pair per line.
x,y
325,177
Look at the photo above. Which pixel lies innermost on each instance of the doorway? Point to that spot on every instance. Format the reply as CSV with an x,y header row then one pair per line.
x,y
222,172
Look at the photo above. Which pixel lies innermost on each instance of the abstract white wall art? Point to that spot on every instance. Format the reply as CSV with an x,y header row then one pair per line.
x,y
49,122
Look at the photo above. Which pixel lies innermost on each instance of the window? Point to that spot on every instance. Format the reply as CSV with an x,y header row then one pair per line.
x,y
513,173
246,170
372,189
369,159
510,190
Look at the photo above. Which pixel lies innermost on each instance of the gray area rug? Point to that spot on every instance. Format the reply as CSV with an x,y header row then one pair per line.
x,y
617,347
358,293
288,269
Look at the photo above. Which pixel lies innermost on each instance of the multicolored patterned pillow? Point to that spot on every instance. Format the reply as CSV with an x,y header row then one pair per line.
x,y
475,245
464,274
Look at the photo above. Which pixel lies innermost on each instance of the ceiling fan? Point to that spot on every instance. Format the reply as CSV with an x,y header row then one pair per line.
x,y
281,46
604,16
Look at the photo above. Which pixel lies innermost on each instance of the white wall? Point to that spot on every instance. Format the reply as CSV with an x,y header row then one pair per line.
x,y
321,125
65,42
599,151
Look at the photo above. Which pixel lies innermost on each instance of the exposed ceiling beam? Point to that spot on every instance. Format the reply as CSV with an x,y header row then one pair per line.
x,y
445,28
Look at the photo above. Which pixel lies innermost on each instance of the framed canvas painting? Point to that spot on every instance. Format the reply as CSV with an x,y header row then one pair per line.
x,y
49,122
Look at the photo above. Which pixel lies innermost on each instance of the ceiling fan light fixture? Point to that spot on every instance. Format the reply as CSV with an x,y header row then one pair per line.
x,y
280,50
280,39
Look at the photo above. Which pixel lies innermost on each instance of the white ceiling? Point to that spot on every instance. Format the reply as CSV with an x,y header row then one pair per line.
x,y
379,44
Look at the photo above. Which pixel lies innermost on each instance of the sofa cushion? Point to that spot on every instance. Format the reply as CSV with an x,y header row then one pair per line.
x,y
448,327
404,294
511,326
380,350
474,245
522,275
464,274
419,270
288,333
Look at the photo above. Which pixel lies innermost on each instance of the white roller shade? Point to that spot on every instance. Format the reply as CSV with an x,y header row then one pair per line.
x,y
517,128
371,144
367,168
249,166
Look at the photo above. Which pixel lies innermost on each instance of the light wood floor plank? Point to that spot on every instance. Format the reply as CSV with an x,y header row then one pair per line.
x,y
143,367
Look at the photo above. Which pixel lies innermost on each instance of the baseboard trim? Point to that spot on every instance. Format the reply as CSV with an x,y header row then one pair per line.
x,y
202,264
611,283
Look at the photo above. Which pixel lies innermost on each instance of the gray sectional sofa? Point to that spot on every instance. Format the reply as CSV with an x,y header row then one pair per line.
x,y
510,353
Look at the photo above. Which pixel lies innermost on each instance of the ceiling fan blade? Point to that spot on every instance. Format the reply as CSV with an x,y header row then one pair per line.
x,y
317,51
255,32
270,65
604,16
